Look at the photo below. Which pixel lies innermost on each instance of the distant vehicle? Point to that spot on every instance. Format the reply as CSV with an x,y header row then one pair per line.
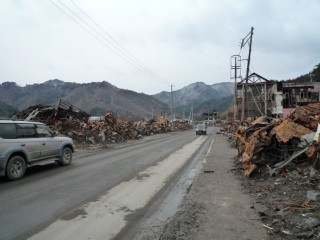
x,y
201,129
23,144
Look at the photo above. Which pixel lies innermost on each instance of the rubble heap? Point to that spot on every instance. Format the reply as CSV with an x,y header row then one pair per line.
x,y
68,120
112,130
278,143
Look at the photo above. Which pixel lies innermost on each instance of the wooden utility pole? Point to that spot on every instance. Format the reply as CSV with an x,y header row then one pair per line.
x,y
245,98
235,65
171,104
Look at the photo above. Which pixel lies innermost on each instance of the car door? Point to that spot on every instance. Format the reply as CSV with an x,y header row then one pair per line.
x,y
29,141
49,145
8,138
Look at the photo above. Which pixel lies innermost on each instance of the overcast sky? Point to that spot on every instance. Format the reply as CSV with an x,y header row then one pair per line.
x,y
148,45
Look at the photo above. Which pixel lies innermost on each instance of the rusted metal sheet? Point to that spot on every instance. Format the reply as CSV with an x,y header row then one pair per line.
x,y
308,116
255,139
288,129
269,136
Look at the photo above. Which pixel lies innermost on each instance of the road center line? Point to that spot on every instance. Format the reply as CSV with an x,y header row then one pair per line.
x,y
104,218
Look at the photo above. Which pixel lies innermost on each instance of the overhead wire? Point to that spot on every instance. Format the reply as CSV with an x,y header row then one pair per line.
x,y
114,40
114,48
103,43
112,45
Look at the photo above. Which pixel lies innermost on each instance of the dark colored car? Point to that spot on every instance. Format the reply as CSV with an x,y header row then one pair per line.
x,y
201,129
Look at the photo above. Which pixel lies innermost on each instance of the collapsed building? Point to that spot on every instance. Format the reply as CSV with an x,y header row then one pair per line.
x,y
257,96
48,114
69,120
275,119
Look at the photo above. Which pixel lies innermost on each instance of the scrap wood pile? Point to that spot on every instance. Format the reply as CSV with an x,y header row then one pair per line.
x,y
112,130
50,114
279,144
68,120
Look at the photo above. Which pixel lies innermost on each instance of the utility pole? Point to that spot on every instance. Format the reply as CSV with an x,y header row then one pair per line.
x,y
191,114
244,103
235,65
152,112
171,105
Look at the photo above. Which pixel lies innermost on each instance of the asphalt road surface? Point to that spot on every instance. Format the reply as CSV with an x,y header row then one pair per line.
x,y
115,193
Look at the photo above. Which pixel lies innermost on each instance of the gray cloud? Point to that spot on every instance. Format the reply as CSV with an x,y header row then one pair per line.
x,y
183,40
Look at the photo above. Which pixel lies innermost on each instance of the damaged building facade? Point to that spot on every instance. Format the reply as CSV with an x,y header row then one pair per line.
x,y
258,96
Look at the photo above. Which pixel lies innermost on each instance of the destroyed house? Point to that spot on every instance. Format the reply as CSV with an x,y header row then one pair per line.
x,y
300,94
253,97
261,97
209,116
46,114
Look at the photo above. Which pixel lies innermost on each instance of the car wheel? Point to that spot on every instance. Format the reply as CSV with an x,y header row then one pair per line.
x,y
16,168
66,157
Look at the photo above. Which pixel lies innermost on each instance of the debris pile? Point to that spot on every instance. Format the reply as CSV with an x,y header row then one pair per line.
x,y
113,130
71,121
278,143
286,149
50,114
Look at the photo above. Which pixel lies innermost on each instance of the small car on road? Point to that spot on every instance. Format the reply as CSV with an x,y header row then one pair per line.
x,y
24,144
201,129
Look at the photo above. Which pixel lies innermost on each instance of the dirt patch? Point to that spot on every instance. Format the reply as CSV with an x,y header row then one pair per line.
x,y
282,201
186,222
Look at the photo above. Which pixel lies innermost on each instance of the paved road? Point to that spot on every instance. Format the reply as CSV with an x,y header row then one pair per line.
x,y
49,194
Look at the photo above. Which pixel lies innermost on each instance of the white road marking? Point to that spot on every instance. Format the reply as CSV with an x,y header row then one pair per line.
x,y
205,158
104,218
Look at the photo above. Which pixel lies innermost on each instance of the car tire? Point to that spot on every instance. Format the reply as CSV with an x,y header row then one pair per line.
x,y
66,157
16,168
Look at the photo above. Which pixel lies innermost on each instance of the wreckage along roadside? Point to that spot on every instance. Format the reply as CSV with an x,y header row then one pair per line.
x,y
274,141
69,120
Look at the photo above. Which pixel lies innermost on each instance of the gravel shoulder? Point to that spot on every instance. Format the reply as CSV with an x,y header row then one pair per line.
x,y
217,206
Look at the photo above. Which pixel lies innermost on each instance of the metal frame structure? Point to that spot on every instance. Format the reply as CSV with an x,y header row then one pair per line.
x,y
258,98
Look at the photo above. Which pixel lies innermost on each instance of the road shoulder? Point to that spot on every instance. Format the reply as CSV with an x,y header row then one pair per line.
x,y
216,207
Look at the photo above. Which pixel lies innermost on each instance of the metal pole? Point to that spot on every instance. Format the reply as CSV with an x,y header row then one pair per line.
x,y
247,75
235,89
265,100
171,108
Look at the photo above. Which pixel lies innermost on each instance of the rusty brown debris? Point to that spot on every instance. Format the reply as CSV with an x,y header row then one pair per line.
x,y
276,140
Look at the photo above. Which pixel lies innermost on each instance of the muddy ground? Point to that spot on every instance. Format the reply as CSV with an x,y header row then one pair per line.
x,y
286,210
280,205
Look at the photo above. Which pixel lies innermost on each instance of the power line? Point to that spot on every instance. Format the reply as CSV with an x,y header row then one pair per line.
x,y
116,42
113,48
124,54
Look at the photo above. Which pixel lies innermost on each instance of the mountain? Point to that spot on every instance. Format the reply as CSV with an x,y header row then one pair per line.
x,y
6,109
203,97
94,98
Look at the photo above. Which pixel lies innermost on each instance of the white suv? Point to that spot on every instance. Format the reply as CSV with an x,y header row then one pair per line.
x,y
23,144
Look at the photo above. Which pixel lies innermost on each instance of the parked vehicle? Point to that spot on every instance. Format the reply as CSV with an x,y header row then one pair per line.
x,y
201,129
23,144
